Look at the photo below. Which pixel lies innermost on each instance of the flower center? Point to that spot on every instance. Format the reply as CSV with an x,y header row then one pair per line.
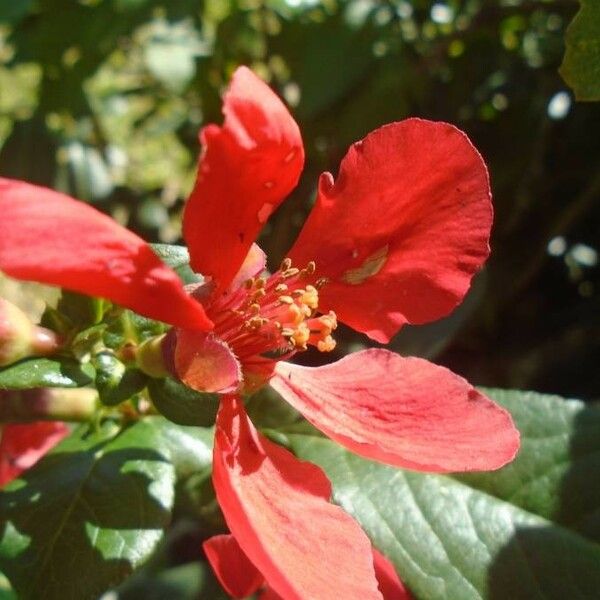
x,y
270,318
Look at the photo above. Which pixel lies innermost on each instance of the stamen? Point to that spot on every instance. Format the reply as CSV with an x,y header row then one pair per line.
x,y
291,272
270,318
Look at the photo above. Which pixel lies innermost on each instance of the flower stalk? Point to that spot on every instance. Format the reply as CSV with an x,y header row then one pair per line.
x,y
48,404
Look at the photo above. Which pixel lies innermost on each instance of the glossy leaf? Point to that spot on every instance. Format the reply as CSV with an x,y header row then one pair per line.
x,y
181,404
114,381
519,533
560,455
97,505
45,372
581,64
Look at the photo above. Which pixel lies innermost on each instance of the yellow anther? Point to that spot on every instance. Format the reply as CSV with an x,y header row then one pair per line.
x,y
310,268
326,345
286,263
295,314
287,332
287,273
299,292
249,283
254,309
311,297
260,283
286,300
301,335
329,321
258,294
281,288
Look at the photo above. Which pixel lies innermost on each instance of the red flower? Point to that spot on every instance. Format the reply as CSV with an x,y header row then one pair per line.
x,y
22,445
395,239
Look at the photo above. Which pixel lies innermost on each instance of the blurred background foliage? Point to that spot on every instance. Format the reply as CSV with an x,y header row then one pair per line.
x,y
103,99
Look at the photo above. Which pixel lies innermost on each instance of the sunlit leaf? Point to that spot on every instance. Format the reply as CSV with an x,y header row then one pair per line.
x,y
520,533
45,372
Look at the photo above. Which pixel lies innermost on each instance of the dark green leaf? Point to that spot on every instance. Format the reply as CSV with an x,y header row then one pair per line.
x,y
81,310
188,448
478,536
13,11
192,581
178,258
559,456
581,64
129,327
114,381
181,404
45,372
88,514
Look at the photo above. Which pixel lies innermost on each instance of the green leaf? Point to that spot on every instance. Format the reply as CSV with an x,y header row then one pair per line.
x,y
81,310
188,448
178,258
560,454
45,372
496,535
12,12
581,64
114,381
181,404
192,581
87,514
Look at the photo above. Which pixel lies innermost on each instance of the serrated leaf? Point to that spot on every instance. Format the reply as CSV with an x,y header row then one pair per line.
x,y
178,258
88,514
45,372
560,454
581,65
462,539
182,405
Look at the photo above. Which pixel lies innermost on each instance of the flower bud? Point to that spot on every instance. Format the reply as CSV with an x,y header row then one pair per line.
x,y
150,357
19,337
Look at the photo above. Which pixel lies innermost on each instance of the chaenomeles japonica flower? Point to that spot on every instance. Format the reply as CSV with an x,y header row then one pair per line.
x,y
395,239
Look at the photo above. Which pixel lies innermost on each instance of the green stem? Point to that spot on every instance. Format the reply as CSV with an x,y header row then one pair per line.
x,y
48,404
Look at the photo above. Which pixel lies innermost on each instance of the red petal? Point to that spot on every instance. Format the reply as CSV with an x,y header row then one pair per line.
x,y
22,445
389,583
254,264
206,363
402,230
248,166
277,508
48,237
405,412
238,576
